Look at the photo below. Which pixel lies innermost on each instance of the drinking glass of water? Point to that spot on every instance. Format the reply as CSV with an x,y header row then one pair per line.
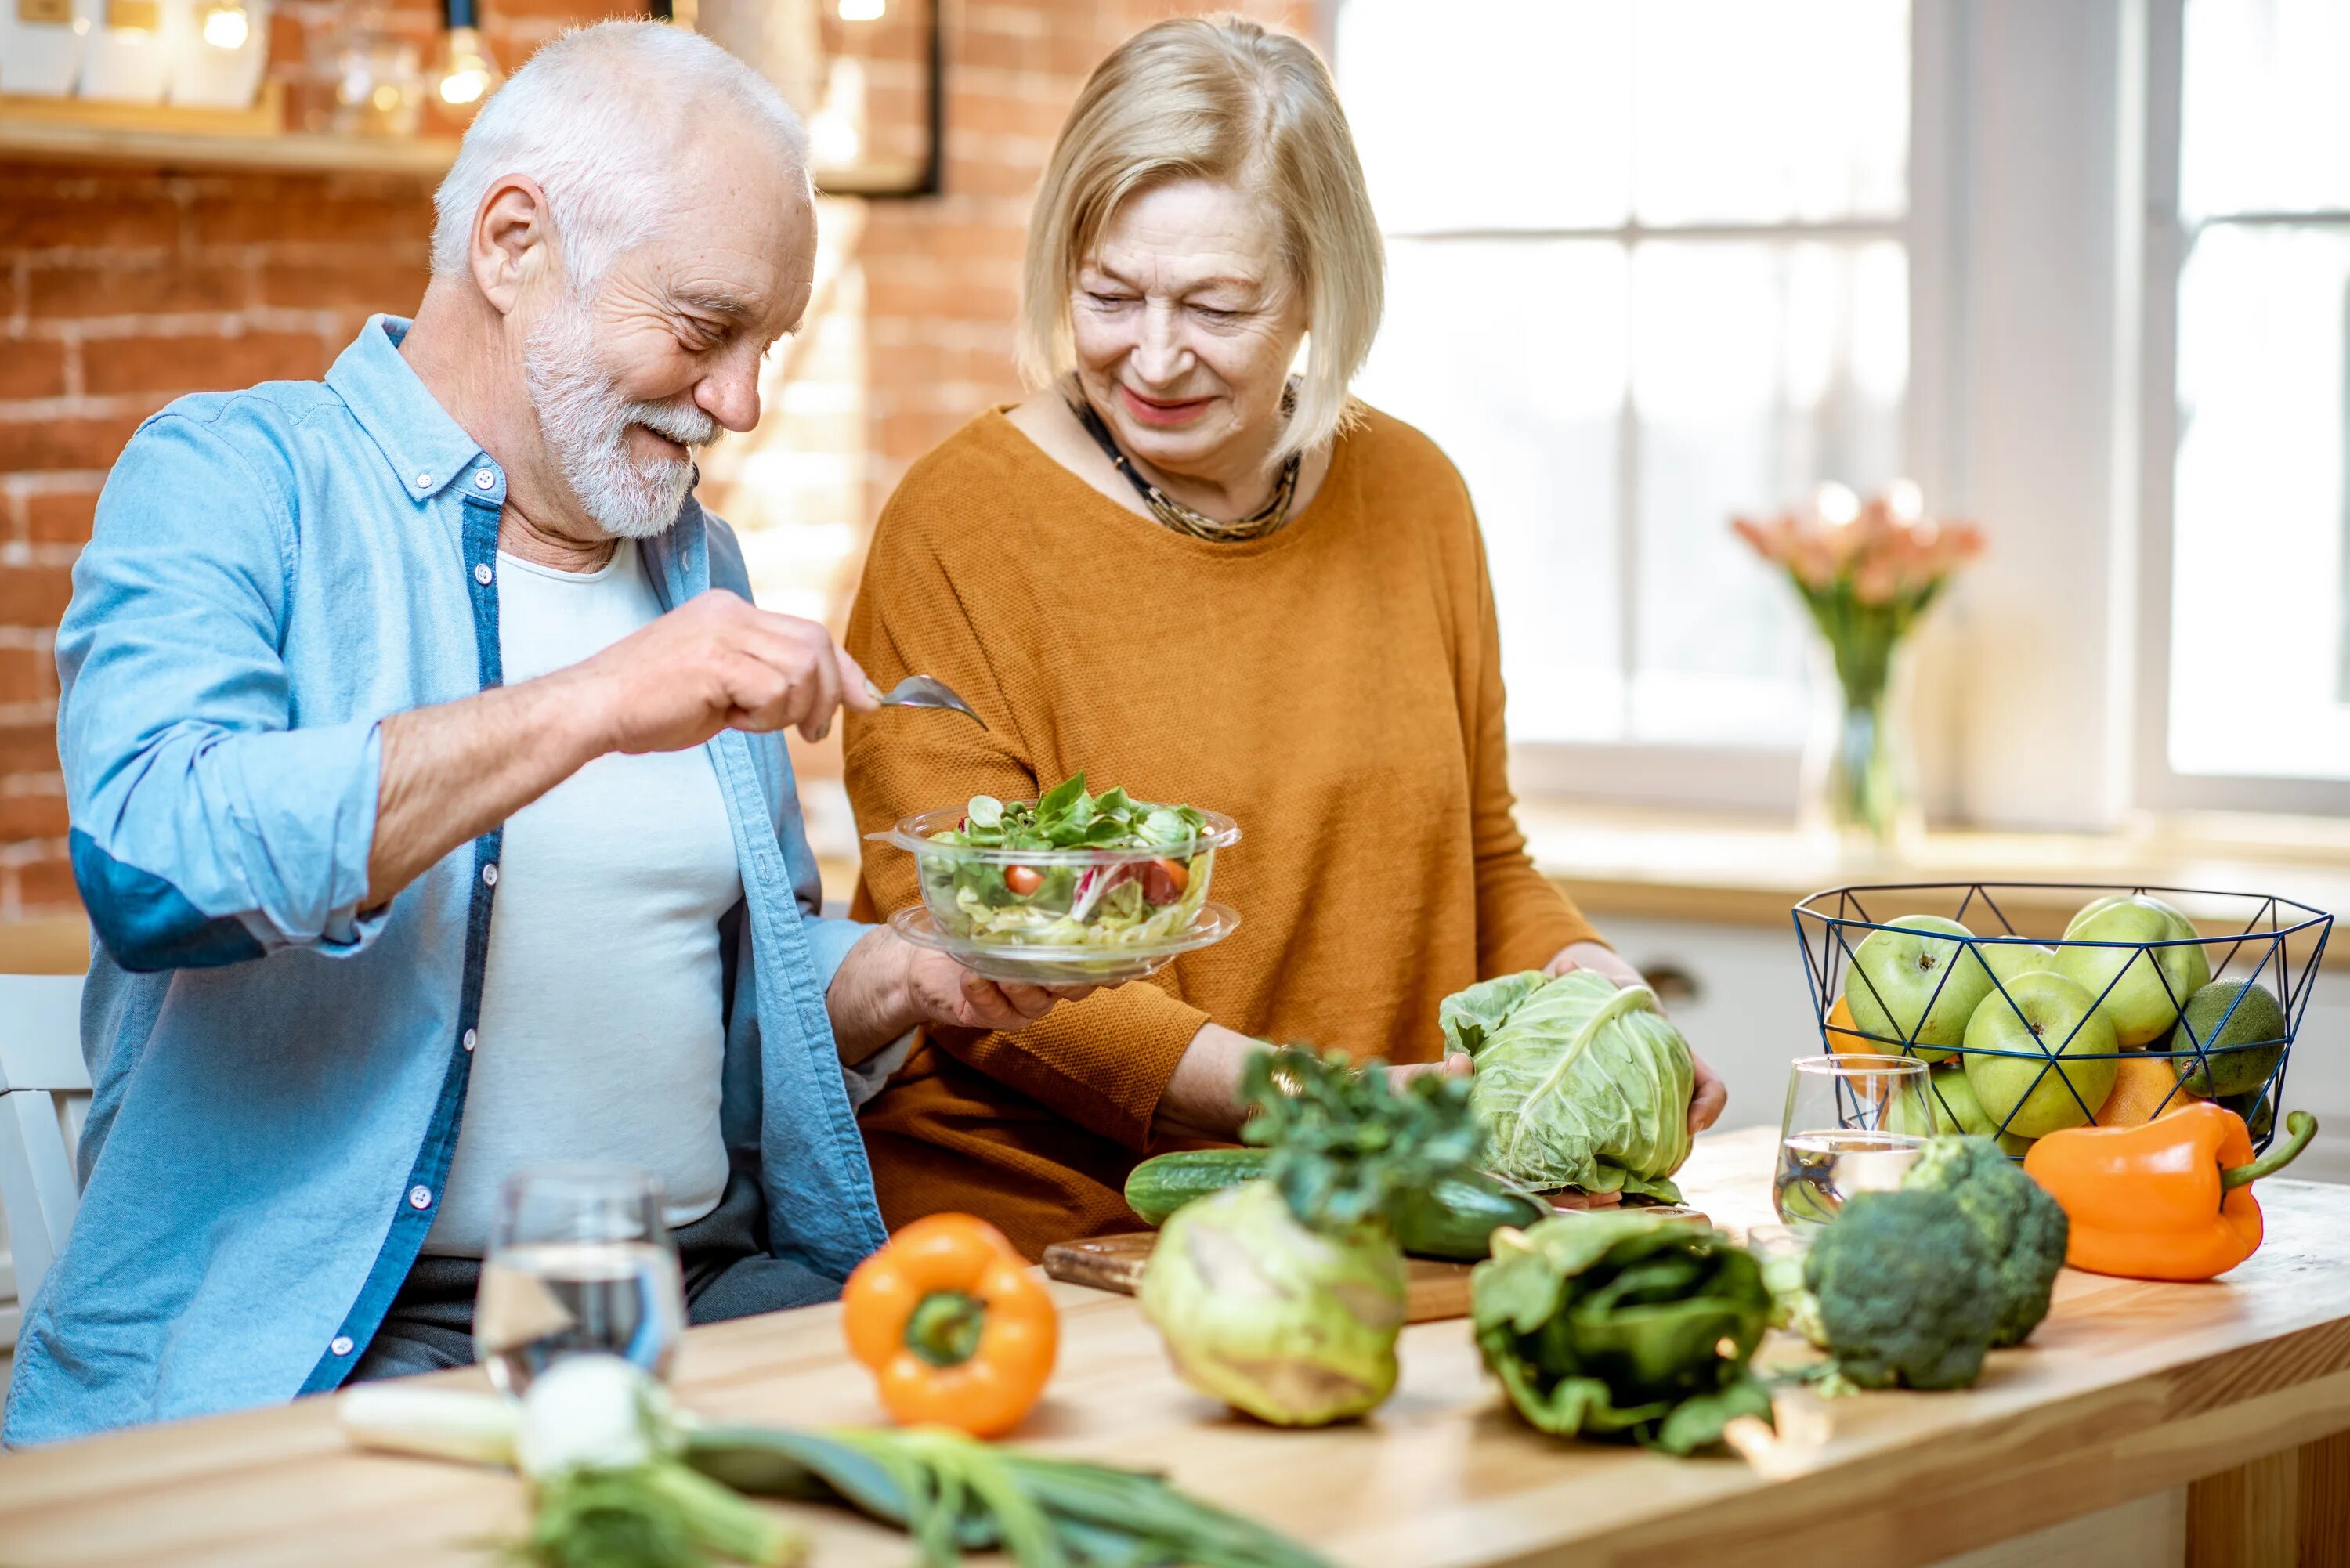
x,y
1854,1124
579,1260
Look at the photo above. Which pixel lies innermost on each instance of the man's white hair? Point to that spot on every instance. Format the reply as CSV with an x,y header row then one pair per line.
x,y
600,119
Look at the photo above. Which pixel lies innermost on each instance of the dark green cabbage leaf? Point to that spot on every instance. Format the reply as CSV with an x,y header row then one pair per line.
x,y
1624,1325
1581,1084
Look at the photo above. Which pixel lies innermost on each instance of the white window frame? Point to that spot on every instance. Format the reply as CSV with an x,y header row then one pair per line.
x,y
1760,778
2169,237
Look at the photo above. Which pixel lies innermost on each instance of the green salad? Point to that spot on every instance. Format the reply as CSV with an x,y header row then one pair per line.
x,y
1139,876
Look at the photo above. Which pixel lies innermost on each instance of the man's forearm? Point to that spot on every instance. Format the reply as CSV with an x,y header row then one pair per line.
x,y
453,772
870,1001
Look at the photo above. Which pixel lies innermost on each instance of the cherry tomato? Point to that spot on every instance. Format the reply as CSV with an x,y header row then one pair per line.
x,y
1023,880
1163,881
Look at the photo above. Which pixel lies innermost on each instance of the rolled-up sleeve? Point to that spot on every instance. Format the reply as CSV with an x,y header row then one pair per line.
x,y
207,828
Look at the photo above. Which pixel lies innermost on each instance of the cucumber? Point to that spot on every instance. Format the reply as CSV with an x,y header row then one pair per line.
x,y
1164,1183
1455,1219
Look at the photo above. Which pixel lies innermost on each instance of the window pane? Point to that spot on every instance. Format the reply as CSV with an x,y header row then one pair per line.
x,y
1759,371
1510,355
2258,677
1495,114
1796,110
2266,108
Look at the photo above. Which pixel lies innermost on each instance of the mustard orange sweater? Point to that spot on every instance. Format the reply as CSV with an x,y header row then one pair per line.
x,y
1334,687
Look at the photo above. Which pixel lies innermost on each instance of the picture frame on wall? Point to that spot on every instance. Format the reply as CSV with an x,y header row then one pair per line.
x,y
863,74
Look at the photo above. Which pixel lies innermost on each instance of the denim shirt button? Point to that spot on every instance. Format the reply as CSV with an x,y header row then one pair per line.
x,y
489,875
341,1344
420,1196
423,482
471,1037
483,478
482,573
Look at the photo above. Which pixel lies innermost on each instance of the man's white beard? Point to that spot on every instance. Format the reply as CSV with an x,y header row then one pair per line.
x,y
585,419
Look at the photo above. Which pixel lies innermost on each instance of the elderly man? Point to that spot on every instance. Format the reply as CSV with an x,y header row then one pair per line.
x,y
429,795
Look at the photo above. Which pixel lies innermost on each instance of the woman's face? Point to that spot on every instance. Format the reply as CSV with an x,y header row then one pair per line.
x,y
1185,323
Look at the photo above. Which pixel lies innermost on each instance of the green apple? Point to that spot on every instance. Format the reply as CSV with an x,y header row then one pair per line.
x,y
1952,1101
2010,959
2059,1057
1909,985
2153,983
2239,1054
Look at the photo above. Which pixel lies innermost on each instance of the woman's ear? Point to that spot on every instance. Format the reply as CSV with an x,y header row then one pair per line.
x,y
512,234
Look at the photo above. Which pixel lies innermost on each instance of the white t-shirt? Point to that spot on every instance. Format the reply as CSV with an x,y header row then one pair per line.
x,y
602,1035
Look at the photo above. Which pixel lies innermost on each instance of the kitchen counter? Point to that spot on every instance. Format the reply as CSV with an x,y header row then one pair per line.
x,y
1674,866
2128,1393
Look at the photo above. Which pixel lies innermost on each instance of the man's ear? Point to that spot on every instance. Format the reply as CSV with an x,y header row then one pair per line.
x,y
514,235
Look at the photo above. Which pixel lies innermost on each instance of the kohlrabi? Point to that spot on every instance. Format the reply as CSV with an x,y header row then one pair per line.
x,y
1283,1296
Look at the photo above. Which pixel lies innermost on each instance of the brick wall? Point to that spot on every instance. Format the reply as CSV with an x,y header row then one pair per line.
x,y
120,288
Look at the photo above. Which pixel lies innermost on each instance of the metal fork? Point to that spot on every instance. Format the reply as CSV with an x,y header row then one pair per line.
x,y
922,691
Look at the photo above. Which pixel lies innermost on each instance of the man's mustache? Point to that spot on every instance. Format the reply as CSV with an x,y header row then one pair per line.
x,y
681,421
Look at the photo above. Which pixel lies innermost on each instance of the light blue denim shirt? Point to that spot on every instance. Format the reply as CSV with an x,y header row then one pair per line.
x,y
278,1076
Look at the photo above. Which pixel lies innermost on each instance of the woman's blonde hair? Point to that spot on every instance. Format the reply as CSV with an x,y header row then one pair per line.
x,y
1224,100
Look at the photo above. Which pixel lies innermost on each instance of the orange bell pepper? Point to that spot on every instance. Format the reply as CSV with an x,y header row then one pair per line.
x,y
2167,1200
955,1329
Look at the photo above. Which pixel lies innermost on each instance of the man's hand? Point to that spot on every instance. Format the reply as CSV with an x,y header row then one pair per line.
x,y
887,986
718,663
1706,1104
715,662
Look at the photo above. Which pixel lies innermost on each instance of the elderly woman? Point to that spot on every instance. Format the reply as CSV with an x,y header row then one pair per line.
x,y
1180,569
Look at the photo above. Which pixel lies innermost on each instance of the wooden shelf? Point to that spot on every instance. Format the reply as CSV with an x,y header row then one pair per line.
x,y
77,131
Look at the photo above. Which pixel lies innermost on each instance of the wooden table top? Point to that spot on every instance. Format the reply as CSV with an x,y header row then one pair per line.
x,y
2127,1389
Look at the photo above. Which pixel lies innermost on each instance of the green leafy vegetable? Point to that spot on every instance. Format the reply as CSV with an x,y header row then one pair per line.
x,y
1151,895
1347,1146
1068,818
1624,1325
1283,1296
1583,1083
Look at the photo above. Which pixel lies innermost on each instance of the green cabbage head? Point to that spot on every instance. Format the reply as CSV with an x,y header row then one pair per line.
x,y
1582,1082
1290,1325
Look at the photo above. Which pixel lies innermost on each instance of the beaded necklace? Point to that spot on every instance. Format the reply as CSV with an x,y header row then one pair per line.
x,y
1266,520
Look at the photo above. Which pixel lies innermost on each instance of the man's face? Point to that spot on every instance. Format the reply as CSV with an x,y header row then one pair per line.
x,y
666,350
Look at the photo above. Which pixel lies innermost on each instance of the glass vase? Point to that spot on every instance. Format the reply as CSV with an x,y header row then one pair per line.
x,y
1860,782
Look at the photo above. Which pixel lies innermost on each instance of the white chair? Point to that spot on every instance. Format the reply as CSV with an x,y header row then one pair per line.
x,y
43,1095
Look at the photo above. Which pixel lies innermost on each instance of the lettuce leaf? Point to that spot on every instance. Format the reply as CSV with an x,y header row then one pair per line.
x,y
1581,1084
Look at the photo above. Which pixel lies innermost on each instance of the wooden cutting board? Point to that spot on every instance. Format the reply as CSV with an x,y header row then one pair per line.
x,y
1433,1288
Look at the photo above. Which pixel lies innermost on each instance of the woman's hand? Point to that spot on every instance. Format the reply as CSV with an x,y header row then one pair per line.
x,y
1710,1096
1452,1065
887,986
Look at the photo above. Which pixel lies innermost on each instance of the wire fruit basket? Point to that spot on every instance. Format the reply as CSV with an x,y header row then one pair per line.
x,y
2044,1005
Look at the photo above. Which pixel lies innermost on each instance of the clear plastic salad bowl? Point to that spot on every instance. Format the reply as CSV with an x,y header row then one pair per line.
x,y
1062,916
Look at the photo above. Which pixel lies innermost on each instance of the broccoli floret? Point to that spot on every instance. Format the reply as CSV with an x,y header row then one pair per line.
x,y
1904,1290
2023,1228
